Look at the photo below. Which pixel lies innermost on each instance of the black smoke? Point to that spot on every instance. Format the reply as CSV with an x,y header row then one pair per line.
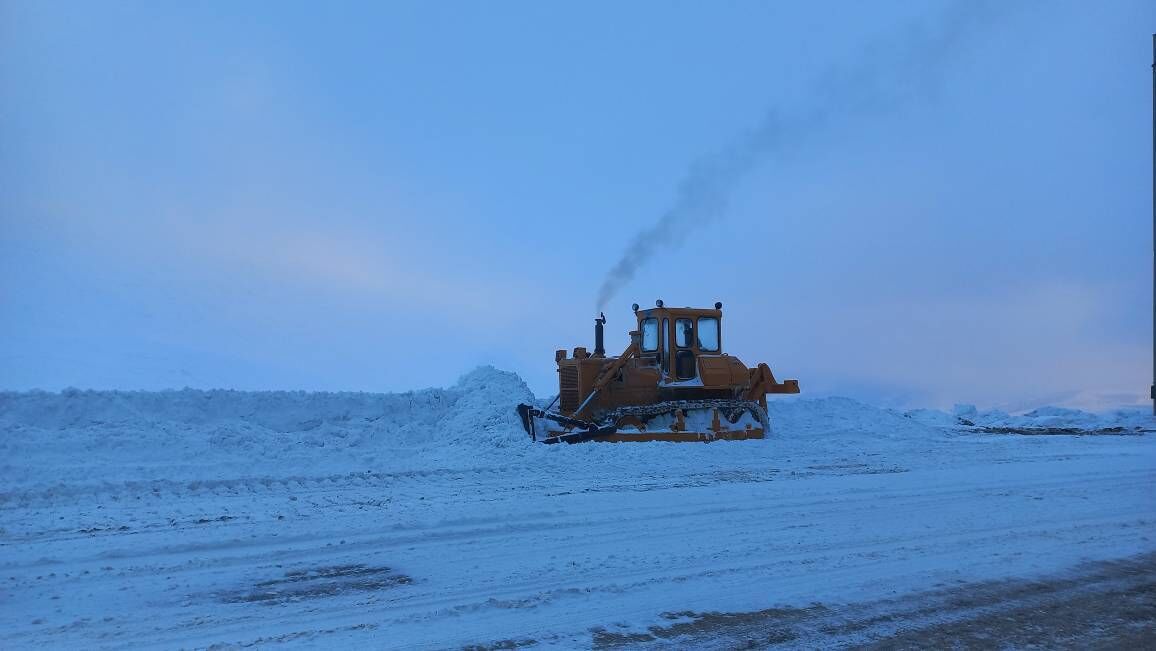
x,y
909,66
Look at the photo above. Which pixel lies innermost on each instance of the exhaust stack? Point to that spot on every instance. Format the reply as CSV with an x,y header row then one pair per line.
x,y
599,348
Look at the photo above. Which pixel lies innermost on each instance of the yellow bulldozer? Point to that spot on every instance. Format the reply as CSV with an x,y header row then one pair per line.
x,y
672,383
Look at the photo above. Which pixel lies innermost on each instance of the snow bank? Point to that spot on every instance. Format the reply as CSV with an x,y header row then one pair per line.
x,y
1044,419
101,434
840,417
113,436
1059,418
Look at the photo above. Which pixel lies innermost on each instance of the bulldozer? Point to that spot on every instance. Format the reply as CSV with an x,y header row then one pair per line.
x,y
672,383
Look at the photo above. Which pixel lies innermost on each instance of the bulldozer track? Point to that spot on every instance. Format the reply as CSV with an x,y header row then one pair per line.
x,y
731,408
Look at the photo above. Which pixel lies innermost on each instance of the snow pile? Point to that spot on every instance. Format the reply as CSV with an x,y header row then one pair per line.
x,y
485,410
111,436
1059,418
841,417
144,435
1043,419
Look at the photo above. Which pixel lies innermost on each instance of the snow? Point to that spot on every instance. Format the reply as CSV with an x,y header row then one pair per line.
x,y
106,435
1133,418
428,519
1056,419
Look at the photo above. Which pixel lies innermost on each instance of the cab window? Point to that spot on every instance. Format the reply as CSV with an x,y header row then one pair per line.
x,y
683,333
650,335
708,334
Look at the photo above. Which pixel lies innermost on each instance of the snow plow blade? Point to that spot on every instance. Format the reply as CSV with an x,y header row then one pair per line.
x,y
580,430
552,427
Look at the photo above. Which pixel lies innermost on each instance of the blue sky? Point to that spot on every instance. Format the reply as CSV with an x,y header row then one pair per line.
x,y
953,205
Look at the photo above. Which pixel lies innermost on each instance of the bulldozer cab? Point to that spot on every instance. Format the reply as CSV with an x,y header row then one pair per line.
x,y
675,337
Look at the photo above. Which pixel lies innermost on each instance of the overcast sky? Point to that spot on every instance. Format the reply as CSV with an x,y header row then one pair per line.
x,y
911,203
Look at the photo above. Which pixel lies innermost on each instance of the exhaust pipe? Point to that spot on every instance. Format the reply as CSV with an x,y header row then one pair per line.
x,y
599,348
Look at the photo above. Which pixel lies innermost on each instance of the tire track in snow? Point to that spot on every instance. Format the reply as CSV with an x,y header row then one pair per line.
x,y
613,528
810,506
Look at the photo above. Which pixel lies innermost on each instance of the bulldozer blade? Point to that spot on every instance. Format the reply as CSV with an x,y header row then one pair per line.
x,y
528,413
612,435
524,412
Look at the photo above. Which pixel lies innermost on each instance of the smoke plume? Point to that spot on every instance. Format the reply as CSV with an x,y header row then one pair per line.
x,y
908,66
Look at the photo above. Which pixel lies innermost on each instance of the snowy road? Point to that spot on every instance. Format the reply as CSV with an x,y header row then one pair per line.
x,y
579,546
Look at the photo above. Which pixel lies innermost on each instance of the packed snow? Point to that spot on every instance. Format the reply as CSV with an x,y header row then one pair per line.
x,y
428,519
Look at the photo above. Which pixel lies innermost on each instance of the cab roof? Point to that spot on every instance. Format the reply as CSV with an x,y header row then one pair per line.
x,y
666,310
